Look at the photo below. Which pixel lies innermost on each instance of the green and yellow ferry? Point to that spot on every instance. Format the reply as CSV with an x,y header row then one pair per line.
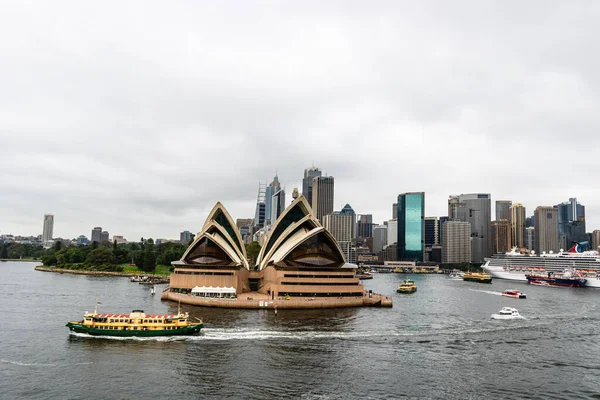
x,y
477,277
136,323
407,287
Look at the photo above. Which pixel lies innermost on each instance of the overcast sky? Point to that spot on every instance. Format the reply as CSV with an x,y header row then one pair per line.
x,y
138,116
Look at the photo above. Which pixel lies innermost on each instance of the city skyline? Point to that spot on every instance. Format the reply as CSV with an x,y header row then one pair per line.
x,y
140,130
174,235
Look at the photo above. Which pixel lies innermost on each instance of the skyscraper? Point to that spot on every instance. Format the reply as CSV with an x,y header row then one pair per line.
x,y
431,231
595,240
364,226
347,210
392,235
277,205
379,238
395,211
96,234
411,227
456,244
185,237
104,237
517,225
270,190
571,223
441,222
500,236
502,209
322,195
259,214
546,229
474,208
307,182
48,231
530,238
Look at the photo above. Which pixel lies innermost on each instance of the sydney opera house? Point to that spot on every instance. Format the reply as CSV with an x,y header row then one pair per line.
x,y
300,265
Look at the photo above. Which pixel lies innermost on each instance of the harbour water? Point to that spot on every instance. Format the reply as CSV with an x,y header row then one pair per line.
x,y
437,343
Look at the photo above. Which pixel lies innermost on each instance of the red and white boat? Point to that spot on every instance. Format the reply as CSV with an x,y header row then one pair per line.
x,y
514,293
539,283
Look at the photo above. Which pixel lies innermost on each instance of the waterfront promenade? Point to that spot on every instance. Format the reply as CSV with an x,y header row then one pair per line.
x,y
255,300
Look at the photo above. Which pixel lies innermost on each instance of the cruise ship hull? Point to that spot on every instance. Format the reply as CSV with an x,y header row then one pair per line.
x,y
500,273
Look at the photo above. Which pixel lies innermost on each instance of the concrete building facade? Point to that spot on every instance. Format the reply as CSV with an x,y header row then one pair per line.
x,y
474,208
379,238
456,246
596,240
48,231
339,225
530,238
546,229
503,209
322,195
517,217
96,234
500,236
307,182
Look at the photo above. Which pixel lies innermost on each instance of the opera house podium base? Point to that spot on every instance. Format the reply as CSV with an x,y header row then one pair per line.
x,y
255,300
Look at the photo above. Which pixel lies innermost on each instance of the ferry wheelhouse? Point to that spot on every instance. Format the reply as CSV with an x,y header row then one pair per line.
x,y
136,323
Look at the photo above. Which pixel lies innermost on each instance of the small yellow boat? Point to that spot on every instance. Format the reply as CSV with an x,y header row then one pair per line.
x,y
407,287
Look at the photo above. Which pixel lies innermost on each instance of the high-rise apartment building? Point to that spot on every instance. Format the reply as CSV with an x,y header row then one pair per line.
x,y
339,225
530,238
96,234
546,229
456,245
322,195
474,208
411,226
571,223
277,205
596,240
500,236
379,238
104,237
517,225
432,236
502,209
307,182
48,231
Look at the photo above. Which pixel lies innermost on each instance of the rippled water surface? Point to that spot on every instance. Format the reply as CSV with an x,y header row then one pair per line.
x,y
437,343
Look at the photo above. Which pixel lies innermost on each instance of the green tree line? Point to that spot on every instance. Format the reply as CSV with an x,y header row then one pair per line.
x,y
107,257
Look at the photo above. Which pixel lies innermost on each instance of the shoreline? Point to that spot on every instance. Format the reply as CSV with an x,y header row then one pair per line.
x,y
95,273
19,260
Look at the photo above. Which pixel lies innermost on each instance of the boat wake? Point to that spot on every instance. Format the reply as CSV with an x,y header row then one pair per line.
x,y
135,339
487,291
41,365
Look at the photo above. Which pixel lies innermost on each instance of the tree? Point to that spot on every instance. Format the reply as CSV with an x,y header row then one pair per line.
x,y
252,251
115,245
57,245
4,251
94,245
100,258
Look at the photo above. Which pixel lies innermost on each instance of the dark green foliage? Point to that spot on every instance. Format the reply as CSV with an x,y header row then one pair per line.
x,y
57,245
100,258
4,251
168,252
94,245
252,251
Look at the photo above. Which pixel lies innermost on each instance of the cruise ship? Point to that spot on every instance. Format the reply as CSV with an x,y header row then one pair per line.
x,y
514,266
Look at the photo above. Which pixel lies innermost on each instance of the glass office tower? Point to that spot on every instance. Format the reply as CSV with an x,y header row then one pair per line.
x,y
411,229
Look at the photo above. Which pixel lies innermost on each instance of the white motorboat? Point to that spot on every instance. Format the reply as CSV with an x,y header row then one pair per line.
x,y
456,275
507,313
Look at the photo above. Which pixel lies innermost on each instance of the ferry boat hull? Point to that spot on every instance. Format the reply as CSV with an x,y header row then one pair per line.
x,y
186,330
